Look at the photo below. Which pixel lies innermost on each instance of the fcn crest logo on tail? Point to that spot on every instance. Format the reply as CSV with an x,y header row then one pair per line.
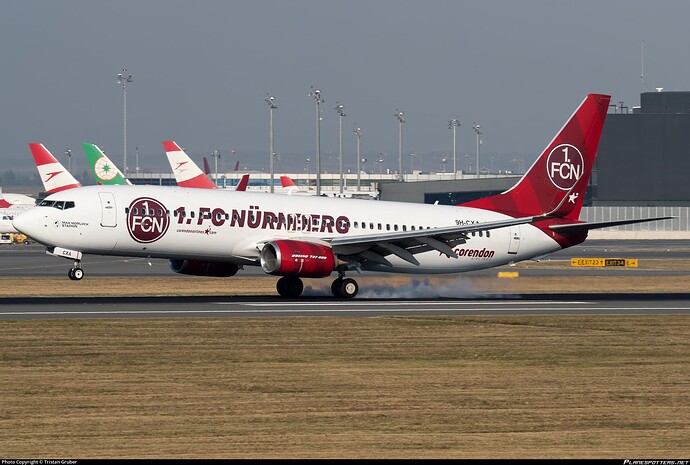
x,y
565,166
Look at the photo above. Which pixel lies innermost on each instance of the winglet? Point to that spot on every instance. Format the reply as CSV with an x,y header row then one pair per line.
x,y
244,181
286,181
54,176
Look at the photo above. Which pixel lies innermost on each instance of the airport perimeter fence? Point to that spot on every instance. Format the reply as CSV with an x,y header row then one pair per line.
x,y
680,222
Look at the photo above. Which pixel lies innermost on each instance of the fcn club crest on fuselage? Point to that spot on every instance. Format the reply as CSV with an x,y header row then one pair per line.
x,y
147,220
565,166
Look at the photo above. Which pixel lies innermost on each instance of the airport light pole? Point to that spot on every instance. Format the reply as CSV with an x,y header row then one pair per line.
x,y
316,95
454,124
399,115
271,101
341,111
475,126
136,153
358,132
68,152
122,79
216,155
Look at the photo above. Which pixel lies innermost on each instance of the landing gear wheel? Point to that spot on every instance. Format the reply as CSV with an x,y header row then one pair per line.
x,y
290,286
75,274
335,286
345,287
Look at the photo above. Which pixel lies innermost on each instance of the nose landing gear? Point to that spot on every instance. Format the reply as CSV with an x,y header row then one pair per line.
x,y
76,273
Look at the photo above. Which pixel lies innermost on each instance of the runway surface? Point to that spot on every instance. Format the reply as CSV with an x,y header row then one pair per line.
x,y
31,261
214,306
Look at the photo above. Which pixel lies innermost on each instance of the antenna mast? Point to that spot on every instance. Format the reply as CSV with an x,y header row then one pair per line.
x,y
644,84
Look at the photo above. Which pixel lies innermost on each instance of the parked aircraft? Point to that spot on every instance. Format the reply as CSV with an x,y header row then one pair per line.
x,y
12,205
54,176
103,169
7,213
188,174
215,232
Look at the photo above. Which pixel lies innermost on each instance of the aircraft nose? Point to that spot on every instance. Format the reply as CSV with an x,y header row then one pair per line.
x,y
27,222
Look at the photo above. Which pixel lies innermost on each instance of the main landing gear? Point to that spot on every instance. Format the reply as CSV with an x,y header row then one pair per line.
x,y
76,273
292,286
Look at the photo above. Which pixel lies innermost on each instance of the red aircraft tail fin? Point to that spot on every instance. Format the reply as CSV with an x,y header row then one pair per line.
x,y
556,183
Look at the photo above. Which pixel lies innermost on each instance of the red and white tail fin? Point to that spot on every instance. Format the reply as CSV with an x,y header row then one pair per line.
x,y
242,185
286,181
187,173
207,169
54,176
556,183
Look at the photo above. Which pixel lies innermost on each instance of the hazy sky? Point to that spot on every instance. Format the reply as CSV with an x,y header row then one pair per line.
x,y
203,68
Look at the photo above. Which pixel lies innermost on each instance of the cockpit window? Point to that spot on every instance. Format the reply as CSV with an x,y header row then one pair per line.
x,y
59,204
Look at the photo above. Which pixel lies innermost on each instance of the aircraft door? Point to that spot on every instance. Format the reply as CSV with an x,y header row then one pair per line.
x,y
108,210
514,244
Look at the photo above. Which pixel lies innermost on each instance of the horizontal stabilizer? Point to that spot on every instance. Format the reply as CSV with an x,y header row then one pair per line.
x,y
603,224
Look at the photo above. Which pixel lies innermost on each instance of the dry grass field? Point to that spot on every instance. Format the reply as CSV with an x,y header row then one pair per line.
x,y
490,387
562,386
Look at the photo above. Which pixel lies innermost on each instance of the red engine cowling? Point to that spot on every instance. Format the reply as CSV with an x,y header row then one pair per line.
x,y
197,268
297,258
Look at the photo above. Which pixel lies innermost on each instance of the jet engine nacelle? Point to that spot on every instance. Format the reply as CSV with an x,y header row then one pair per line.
x,y
198,268
297,258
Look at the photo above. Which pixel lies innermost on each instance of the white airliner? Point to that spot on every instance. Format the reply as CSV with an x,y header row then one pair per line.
x,y
215,232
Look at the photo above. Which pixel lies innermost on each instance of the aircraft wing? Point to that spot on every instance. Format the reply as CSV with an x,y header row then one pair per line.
x,y
404,244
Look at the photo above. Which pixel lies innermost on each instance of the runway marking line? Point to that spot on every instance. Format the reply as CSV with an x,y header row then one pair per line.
x,y
399,303
284,311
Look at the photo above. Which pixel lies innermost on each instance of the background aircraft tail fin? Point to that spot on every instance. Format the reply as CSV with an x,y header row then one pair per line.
x,y
103,169
187,173
54,176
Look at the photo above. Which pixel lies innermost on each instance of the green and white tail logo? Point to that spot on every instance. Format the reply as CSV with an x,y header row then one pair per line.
x,y
104,169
